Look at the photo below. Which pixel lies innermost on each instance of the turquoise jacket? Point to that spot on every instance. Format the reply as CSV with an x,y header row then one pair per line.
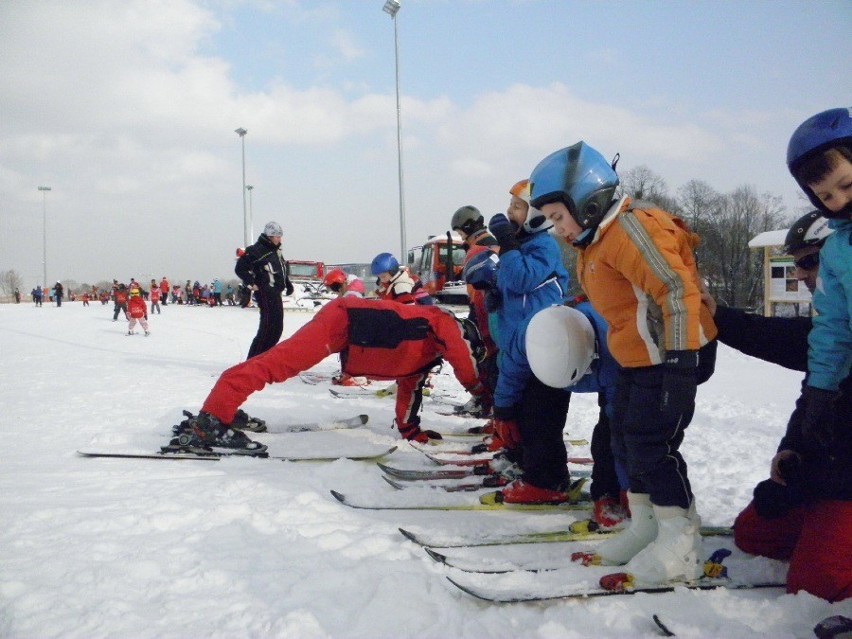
x,y
830,340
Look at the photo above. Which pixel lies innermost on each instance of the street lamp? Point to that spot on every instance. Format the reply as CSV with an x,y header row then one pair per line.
x,y
392,8
250,188
44,190
246,226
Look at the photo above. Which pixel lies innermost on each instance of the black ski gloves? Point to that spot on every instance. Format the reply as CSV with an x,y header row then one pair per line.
x,y
818,424
677,393
504,232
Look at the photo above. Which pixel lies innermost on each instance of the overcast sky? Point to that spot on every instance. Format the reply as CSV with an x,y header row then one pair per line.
x,y
126,109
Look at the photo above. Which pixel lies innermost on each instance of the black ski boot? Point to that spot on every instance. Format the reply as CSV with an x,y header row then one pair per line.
x,y
206,435
242,421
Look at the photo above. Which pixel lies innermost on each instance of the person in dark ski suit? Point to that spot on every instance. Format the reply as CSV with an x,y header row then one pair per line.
x,y
375,338
263,270
58,292
803,512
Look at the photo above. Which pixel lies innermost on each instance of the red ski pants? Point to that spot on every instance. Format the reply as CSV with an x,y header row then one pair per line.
x,y
817,539
312,343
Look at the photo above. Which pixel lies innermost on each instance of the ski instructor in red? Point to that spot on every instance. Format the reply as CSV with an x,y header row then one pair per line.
x,y
376,339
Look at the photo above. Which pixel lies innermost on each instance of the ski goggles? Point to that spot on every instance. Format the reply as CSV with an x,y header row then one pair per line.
x,y
809,262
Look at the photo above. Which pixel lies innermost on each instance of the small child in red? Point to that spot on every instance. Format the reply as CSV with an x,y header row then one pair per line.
x,y
137,310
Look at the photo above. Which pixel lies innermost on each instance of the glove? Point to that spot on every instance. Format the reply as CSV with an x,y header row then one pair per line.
x,y
288,287
504,232
677,392
507,431
817,426
773,500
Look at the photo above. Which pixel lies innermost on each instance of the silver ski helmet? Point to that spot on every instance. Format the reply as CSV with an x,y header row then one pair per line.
x,y
467,219
273,229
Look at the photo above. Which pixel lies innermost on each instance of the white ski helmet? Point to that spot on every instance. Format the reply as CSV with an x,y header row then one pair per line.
x,y
560,345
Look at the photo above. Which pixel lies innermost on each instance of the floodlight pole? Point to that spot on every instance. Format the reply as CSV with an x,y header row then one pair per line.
x,y
250,188
44,190
392,7
246,225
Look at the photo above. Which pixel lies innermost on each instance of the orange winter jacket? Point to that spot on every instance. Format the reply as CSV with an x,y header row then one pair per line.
x,y
639,273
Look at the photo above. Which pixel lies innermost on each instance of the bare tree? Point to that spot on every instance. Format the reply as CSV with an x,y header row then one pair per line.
x,y
641,183
734,272
9,281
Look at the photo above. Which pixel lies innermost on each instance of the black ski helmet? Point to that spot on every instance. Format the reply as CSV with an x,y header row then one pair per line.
x,y
809,230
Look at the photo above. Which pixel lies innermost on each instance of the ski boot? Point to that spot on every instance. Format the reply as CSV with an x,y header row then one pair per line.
x,y
206,435
521,492
242,421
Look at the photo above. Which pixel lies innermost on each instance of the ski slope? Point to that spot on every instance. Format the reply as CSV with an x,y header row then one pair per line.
x,y
259,548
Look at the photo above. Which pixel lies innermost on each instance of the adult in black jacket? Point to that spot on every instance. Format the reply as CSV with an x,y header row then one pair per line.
x,y
263,270
803,512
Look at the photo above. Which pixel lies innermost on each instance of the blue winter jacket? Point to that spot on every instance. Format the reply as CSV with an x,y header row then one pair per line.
x,y
528,279
830,340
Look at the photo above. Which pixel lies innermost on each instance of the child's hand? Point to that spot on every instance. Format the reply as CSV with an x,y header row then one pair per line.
x,y
503,231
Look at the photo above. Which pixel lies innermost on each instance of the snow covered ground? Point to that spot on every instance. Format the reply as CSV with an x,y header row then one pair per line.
x,y
259,548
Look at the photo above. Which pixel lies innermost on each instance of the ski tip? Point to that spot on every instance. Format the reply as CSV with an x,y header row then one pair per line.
x,y
364,418
408,535
666,632
467,590
441,559
338,496
392,482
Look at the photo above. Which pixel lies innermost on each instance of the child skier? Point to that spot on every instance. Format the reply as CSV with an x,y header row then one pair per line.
x,y
137,311
635,262
529,416
397,283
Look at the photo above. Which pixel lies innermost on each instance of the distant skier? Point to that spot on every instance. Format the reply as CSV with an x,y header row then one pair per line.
x,y
137,310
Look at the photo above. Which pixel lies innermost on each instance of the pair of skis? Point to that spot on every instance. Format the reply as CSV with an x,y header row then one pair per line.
x,y
325,447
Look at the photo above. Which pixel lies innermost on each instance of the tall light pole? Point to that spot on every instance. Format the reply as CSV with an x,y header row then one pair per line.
x,y
392,8
44,190
250,188
246,226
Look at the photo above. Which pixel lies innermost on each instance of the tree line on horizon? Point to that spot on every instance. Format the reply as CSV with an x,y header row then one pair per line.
x,y
725,222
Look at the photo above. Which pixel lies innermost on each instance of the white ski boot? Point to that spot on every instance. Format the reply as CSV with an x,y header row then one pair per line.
x,y
676,554
641,532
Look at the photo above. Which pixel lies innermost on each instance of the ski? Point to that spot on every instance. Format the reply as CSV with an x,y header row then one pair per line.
x,y
521,558
439,540
418,474
310,427
571,591
449,447
488,481
470,459
352,392
403,504
360,455
309,377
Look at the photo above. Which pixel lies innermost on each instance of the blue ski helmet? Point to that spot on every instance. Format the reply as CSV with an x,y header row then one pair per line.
x,y
816,134
384,263
579,177
480,271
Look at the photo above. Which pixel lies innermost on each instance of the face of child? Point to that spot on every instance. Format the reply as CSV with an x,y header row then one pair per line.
x,y
835,189
563,223
517,211
384,277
